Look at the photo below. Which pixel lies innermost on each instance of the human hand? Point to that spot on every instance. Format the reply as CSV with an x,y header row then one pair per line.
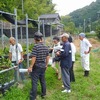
x,y
86,52
30,69
20,61
58,53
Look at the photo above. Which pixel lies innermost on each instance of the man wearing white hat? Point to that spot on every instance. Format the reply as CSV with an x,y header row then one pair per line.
x,y
85,48
65,62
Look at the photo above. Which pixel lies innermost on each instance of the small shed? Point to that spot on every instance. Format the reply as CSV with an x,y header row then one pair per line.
x,y
50,18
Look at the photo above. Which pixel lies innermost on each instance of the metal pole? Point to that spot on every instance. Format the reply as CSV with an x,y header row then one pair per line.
x,y
2,12
51,32
2,35
84,25
90,24
43,31
5,70
27,44
10,29
38,24
15,11
16,35
21,32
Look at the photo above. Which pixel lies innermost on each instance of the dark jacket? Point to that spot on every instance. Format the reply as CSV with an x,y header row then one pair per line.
x,y
66,56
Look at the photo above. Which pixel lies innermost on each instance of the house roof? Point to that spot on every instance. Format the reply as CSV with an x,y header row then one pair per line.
x,y
50,16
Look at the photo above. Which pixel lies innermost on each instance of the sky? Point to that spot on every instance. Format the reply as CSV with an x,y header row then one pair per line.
x,y
64,7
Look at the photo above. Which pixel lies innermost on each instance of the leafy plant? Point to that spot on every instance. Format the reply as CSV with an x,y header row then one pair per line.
x,y
98,31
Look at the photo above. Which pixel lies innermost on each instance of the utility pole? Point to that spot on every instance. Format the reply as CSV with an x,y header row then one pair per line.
x,y
84,25
90,24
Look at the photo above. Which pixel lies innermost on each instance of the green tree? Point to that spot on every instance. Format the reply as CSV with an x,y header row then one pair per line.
x,y
98,31
69,25
33,8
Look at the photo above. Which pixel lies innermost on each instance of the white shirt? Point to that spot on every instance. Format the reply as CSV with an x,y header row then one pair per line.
x,y
73,49
85,44
56,48
13,51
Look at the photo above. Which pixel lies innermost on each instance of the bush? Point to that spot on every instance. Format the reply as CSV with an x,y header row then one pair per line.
x,y
98,31
89,35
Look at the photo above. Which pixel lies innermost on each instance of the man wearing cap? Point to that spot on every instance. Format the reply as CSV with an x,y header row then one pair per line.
x,y
40,58
85,48
65,62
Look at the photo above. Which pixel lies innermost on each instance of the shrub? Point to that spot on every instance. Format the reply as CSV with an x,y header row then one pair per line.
x,y
98,31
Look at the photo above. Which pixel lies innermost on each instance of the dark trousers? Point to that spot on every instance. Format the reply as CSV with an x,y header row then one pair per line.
x,y
72,77
38,74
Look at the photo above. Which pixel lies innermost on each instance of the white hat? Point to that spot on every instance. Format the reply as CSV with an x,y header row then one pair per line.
x,y
65,35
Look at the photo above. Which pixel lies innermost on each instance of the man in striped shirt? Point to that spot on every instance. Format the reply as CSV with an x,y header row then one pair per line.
x,y
39,63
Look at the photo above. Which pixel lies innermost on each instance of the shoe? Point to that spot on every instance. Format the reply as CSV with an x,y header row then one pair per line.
x,y
66,91
56,74
86,73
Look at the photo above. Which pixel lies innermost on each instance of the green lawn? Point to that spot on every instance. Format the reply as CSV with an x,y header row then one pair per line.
x,y
85,88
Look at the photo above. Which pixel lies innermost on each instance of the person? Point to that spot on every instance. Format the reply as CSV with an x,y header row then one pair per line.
x,y
73,48
56,60
39,63
15,52
85,48
65,62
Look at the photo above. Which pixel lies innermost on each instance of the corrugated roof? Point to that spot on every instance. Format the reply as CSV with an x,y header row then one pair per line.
x,y
49,16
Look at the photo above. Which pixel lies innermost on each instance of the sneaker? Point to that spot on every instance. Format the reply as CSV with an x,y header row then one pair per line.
x,y
66,91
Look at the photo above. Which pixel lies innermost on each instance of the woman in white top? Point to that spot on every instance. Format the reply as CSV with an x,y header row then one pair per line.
x,y
57,46
73,49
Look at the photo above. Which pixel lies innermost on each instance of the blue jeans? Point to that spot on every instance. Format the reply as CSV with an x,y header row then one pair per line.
x,y
38,73
20,66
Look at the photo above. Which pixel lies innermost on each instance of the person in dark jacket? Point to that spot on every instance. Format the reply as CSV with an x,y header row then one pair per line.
x,y
39,63
66,62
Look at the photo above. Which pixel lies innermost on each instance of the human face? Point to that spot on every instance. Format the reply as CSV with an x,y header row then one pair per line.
x,y
81,38
12,42
64,39
55,41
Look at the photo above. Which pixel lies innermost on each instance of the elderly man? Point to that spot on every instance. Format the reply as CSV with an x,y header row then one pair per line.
x,y
39,63
65,62
16,53
85,48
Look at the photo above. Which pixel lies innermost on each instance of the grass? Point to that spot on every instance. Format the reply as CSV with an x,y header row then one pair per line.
x,y
85,88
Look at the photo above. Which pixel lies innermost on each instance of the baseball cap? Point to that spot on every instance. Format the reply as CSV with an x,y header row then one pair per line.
x,y
38,35
82,35
65,35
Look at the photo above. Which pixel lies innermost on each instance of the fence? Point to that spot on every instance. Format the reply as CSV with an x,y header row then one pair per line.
x,y
8,79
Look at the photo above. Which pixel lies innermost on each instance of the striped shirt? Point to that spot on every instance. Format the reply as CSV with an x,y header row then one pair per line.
x,y
40,51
